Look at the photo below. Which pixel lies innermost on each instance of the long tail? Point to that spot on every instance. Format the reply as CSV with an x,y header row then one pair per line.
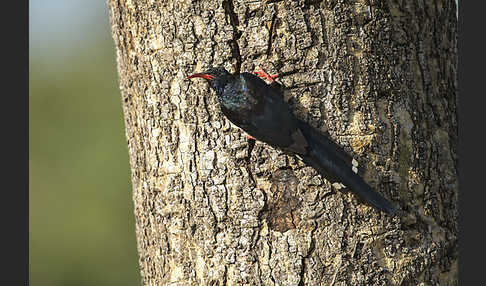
x,y
328,159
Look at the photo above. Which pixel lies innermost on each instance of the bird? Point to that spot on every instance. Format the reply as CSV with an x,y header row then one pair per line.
x,y
261,111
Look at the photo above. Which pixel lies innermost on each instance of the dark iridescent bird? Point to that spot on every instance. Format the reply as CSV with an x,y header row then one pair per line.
x,y
259,109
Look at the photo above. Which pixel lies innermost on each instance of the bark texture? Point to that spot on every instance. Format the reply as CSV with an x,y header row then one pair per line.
x,y
378,76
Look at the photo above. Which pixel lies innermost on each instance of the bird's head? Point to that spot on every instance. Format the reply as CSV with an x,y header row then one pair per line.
x,y
217,77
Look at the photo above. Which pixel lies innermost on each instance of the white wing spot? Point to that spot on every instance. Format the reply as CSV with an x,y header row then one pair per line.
x,y
354,162
355,169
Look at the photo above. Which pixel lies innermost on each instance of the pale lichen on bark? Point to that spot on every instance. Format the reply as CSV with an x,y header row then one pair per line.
x,y
379,76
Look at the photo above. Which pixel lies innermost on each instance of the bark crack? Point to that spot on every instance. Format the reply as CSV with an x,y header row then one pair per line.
x,y
229,9
270,34
312,247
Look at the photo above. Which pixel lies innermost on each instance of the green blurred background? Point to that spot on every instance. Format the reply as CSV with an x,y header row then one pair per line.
x,y
81,223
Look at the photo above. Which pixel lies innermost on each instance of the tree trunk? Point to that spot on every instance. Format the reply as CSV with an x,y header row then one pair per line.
x,y
378,76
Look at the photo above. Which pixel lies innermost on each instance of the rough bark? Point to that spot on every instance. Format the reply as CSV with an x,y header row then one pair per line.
x,y
378,76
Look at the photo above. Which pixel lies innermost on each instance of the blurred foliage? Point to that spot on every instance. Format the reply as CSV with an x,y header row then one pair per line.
x,y
82,227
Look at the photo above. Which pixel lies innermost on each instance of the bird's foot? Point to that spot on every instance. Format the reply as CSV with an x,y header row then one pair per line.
x,y
265,75
249,137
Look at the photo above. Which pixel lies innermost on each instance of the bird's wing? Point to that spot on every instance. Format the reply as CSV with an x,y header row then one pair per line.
x,y
271,119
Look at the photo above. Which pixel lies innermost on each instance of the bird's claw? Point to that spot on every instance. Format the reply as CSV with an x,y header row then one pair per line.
x,y
265,75
249,137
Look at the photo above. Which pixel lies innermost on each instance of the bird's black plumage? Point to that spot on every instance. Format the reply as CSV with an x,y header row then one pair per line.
x,y
259,109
